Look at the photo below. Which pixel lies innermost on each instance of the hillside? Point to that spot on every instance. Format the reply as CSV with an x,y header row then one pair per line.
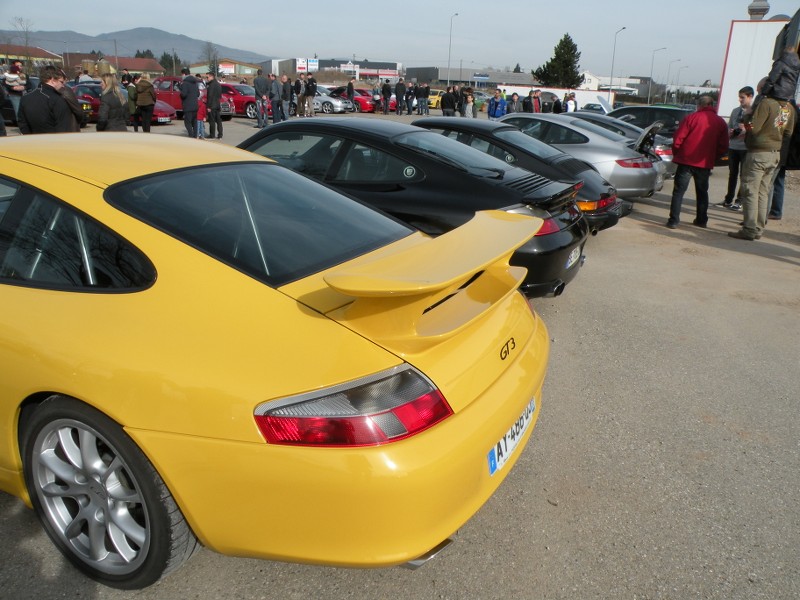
x,y
127,42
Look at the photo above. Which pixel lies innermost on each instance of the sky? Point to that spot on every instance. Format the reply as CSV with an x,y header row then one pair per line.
x,y
484,34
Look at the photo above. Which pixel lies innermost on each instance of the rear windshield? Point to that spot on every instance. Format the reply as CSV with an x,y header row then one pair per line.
x,y
526,142
450,151
260,218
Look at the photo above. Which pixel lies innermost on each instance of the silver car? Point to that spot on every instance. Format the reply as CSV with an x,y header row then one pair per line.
x,y
325,103
662,146
625,164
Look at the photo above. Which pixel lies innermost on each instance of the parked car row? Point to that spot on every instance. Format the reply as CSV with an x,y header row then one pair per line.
x,y
163,113
392,247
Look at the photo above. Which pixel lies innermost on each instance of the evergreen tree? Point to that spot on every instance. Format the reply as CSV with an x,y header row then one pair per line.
x,y
144,54
171,63
517,69
561,70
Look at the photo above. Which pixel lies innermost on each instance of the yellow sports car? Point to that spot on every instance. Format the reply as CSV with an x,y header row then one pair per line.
x,y
199,346
435,98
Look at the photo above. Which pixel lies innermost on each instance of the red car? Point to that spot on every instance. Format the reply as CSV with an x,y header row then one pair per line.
x,y
362,99
168,89
379,103
90,92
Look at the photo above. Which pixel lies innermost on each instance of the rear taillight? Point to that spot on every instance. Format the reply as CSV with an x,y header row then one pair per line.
x,y
385,407
635,163
549,226
663,151
604,202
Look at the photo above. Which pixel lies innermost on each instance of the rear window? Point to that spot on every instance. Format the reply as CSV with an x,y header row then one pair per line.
x,y
262,219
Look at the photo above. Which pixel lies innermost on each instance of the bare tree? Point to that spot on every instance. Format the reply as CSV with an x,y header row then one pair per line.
x,y
210,55
24,28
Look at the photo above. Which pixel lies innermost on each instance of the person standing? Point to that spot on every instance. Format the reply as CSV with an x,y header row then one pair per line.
x,y
72,100
790,160
311,93
145,101
286,97
45,110
448,103
772,120
537,101
736,148
399,96
527,103
213,105
261,86
571,105
299,94
497,106
351,90
701,138
386,93
15,84
425,94
133,110
470,110
409,98
126,78
113,113
190,94
514,105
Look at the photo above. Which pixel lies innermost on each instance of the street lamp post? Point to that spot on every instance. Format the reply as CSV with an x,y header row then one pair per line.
x,y
652,61
677,79
666,81
450,47
613,56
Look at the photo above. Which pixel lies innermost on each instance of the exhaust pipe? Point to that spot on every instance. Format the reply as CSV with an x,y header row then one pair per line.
x,y
557,291
418,562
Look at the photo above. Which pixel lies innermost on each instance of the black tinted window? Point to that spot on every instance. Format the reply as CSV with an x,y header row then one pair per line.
x,y
307,153
44,242
259,218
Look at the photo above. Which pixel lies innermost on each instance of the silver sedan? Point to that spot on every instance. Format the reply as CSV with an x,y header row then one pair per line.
x,y
631,171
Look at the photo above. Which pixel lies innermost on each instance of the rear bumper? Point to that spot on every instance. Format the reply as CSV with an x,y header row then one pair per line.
x,y
377,506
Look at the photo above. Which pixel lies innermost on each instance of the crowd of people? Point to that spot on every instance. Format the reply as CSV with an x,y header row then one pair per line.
x,y
761,139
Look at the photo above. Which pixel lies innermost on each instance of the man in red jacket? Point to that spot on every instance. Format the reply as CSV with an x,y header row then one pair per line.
x,y
701,138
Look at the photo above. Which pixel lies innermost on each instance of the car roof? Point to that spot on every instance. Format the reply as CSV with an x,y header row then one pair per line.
x,y
109,158
479,125
380,127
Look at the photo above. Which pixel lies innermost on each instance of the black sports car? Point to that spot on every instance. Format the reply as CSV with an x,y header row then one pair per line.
x,y
434,184
597,198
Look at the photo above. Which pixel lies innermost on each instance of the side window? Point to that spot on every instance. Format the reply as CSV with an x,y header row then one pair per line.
x,y
556,134
366,164
7,192
44,242
531,127
310,154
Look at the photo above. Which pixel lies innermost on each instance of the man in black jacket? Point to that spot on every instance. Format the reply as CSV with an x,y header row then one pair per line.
x,y
45,110
399,96
386,94
190,94
213,101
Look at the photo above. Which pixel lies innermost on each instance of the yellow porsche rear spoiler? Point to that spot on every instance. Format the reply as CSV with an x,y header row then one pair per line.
x,y
466,269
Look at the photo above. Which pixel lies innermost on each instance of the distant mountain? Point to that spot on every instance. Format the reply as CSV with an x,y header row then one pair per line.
x,y
126,43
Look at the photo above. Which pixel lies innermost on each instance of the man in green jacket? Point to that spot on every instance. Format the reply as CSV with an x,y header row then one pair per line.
x,y
771,121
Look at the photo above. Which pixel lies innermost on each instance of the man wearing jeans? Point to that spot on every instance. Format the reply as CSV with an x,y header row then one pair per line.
x,y
701,138
736,148
772,120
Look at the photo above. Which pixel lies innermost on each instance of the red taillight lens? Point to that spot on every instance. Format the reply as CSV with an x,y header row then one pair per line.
x,y
634,163
548,226
385,407
663,151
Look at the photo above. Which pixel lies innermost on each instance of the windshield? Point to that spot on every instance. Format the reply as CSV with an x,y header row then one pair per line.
x,y
451,151
526,142
260,218
246,90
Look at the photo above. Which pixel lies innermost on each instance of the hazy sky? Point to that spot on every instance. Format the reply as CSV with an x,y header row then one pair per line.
x,y
484,34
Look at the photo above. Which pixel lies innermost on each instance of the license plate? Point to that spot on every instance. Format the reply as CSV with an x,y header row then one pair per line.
x,y
164,119
573,257
504,448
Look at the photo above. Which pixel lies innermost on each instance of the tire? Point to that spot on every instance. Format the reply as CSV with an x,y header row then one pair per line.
x,y
250,110
327,108
356,107
99,499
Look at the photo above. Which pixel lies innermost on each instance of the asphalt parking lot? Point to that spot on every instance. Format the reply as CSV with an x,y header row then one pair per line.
x,y
665,464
